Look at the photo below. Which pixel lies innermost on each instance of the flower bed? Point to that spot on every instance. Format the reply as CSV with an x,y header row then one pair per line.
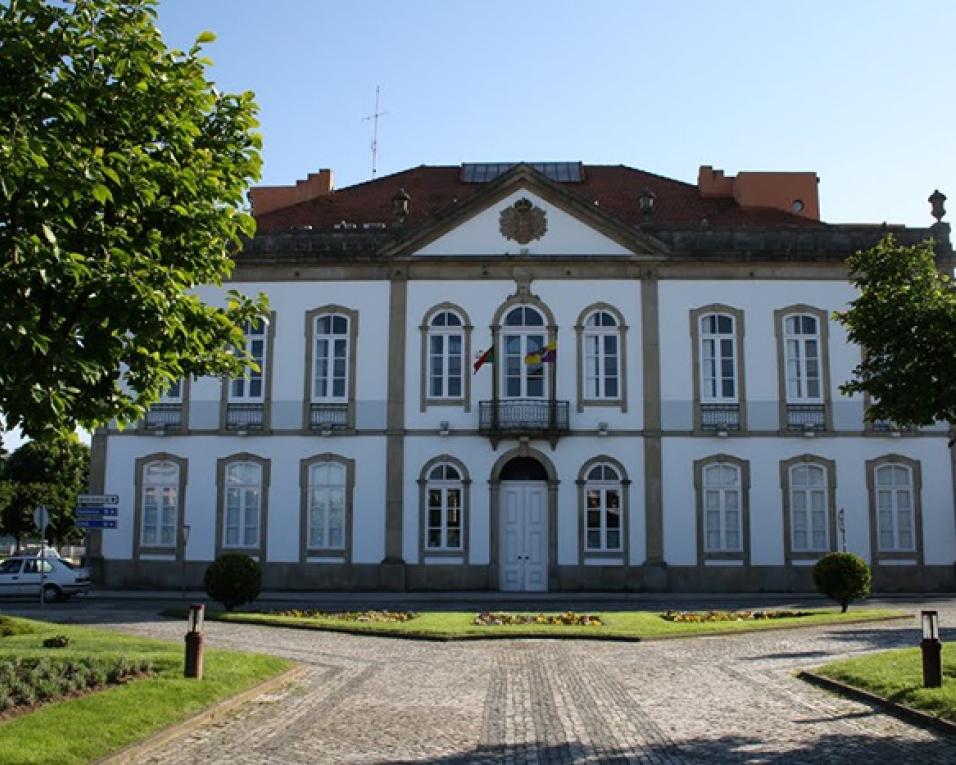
x,y
349,616
567,619
697,617
24,683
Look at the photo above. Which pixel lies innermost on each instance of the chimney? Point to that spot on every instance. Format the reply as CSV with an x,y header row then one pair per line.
x,y
795,193
265,199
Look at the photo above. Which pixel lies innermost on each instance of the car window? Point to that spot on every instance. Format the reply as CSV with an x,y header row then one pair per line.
x,y
65,562
10,567
31,567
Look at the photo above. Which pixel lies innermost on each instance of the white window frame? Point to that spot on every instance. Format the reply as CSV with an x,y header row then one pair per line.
x,y
239,387
174,393
711,387
333,339
807,492
893,493
445,486
595,334
167,492
241,491
523,333
721,492
603,486
800,340
445,333
327,488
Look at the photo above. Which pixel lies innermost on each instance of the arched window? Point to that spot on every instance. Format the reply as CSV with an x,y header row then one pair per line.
x,y
444,494
602,357
326,522
330,369
446,348
718,358
523,333
603,518
801,337
895,508
808,508
242,508
160,504
723,526
250,387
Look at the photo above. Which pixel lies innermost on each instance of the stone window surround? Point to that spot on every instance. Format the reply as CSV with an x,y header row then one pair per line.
x,y
494,488
139,549
737,314
310,320
423,550
744,467
894,431
625,552
916,474
305,466
265,465
141,428
581,331
550,329
464,400
267,387
829,470
823,322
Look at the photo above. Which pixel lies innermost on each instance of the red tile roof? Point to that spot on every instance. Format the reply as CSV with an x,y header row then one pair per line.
x,y
615,188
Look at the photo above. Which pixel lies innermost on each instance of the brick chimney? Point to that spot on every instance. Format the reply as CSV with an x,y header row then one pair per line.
x,y
795,193
265,199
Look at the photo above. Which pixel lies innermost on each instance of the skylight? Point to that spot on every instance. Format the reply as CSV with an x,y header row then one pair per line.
x,y
485,172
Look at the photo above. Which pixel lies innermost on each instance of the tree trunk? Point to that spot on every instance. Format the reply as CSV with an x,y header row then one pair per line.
x,y
843,611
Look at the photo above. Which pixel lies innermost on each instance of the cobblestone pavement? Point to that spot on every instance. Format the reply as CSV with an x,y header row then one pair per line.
x,y
700,700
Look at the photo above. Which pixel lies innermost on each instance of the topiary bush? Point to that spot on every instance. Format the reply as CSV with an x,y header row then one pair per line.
x,y
842,576
233,579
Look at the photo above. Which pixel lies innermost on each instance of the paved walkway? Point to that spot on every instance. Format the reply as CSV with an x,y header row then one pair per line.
x,y
701,700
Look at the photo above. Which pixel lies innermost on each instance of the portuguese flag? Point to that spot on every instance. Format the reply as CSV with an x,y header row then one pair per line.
x,y
488,356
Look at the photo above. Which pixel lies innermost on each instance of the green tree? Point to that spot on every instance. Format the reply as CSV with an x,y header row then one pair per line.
x,y
905,318
122,179
50,473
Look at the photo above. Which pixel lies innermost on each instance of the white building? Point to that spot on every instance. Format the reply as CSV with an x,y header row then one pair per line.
x,y
689,433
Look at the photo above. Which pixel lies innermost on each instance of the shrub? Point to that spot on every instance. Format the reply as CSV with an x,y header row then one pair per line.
x,y
57,641
233,579
844,577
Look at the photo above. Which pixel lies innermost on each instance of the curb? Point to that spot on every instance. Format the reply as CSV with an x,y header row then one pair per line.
x,y
135,752
908,714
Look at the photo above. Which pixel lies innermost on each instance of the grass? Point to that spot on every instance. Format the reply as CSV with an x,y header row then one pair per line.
x,y
86,728
617,625
898,676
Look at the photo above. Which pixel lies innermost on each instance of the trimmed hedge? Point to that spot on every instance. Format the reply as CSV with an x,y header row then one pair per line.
x,y
233,579
842,576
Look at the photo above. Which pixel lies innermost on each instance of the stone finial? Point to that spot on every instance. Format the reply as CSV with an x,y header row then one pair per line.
x,y
936,200
646,202
400,202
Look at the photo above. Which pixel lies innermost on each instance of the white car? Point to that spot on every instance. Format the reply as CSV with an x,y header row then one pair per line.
x,y
21,575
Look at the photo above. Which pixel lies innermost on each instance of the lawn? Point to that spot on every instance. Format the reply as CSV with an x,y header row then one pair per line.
x,y
616,625
898,676
86,728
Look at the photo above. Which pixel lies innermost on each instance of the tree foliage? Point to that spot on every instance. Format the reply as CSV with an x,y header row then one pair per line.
x,y
47,473
122,180
905,319
843,577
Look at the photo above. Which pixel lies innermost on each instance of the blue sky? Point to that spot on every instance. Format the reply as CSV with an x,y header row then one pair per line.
x,y
859,91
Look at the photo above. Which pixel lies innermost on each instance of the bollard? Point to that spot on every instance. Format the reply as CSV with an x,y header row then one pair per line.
x,y
194,642
932,650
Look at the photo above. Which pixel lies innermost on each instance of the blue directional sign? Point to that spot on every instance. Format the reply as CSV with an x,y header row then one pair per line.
x,y
95,523
97,512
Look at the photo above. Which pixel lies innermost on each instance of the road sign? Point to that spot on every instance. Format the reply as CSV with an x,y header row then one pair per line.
x,y
41,517
95,523
97,499
97,512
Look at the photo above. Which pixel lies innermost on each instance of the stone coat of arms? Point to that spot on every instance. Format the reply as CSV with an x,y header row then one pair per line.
x,y
523,222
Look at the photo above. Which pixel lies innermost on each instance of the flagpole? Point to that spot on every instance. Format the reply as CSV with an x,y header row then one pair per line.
x,y
494,381
553,392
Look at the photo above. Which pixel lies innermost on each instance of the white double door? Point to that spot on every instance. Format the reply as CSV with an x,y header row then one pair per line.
x,y
524,536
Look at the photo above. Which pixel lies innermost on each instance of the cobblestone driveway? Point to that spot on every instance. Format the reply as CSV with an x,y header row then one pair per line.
x,y
702,700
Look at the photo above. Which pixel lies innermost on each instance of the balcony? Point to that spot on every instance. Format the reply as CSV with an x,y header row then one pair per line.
x,y
802,418
328,417
720,417
163,417
523,417
244,417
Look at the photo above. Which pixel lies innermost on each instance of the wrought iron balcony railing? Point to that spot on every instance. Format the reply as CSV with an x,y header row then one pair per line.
x,y
804,417
244,416
323,416
717,417
539,417
164,417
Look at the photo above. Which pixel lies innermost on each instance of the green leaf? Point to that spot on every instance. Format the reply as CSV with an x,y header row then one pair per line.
x,y
101,194
48,233
206,37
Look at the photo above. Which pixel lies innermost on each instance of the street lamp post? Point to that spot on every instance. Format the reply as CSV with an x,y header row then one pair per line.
x,y
932,649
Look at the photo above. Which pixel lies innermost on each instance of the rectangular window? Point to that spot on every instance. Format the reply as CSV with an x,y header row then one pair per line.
x,y
250,386
894,506
160,504
718,359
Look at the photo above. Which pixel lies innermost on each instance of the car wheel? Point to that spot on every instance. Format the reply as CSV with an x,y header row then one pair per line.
x,y
52,593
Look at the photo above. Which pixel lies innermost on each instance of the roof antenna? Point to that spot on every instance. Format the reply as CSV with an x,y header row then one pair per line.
x,y
374,117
